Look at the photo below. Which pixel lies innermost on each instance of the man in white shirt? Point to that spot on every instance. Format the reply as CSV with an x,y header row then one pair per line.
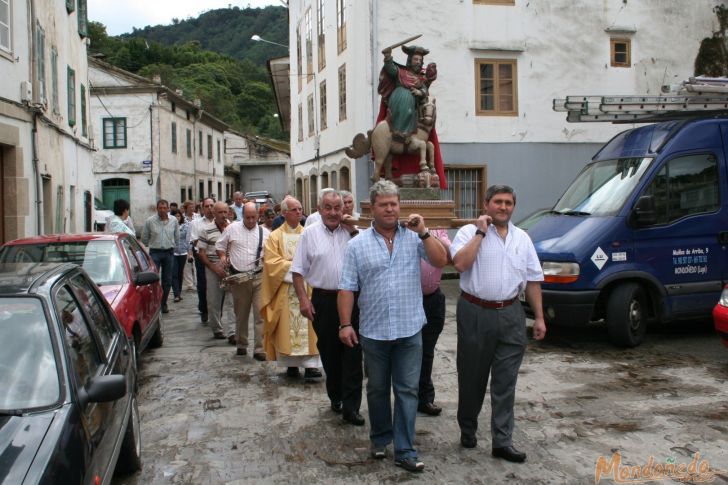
x,y
318,259
207,218
241,250
497,261
238,205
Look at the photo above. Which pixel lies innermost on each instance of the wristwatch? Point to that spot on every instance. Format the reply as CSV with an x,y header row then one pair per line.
x,y
344,326
478,232
425,235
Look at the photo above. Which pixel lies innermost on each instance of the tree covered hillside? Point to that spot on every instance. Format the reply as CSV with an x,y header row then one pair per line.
x,y
227,31
235,89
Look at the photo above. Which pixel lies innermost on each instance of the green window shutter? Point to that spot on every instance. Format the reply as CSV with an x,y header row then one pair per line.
x,y
84,127
71,97
82,18
70,5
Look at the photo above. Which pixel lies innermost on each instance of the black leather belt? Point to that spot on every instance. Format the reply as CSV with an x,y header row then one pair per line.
x,y
235,271
325,292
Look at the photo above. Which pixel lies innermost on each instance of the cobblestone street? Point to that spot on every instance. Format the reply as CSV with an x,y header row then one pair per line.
x,y
210,417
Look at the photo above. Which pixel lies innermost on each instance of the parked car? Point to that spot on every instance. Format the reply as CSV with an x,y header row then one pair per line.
x,y
117,263
260,197
68,410
101,215
640,234
720,317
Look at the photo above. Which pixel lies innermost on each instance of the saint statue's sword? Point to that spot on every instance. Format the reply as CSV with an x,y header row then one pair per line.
x,y
408,39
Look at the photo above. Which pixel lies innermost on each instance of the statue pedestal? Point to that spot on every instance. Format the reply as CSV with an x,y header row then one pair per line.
x,y
438,214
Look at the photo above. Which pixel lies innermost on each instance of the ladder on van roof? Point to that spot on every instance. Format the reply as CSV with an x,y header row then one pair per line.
x,y
698,96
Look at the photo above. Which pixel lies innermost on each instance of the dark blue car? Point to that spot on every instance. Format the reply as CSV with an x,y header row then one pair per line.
x,y
641,234
68,409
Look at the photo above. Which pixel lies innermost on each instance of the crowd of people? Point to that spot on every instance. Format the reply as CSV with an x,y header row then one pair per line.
x,y
327,293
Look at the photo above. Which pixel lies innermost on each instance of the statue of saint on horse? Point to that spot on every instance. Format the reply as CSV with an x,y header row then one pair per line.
x,y
406,122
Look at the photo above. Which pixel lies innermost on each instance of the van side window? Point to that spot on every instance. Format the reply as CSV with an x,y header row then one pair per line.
x,y
685,186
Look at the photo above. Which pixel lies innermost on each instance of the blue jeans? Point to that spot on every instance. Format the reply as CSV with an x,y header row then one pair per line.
x,y
164,259
393,364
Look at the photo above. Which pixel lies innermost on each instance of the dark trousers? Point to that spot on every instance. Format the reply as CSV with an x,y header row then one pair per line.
x,y
201,285
179,269
164,259
342,364
490,342
434,305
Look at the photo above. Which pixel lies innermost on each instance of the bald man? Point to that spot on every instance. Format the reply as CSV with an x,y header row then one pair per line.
x,y
241,250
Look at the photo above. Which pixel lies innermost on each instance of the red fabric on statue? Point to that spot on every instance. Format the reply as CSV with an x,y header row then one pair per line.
x,y
410,163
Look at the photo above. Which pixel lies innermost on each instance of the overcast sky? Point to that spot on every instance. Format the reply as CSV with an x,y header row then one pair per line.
x,y
120,16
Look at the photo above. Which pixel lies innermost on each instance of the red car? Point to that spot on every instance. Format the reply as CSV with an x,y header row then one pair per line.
x,y
122,269
720,317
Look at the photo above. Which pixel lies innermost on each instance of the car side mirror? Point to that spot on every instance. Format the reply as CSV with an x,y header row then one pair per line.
x,y
643,213
103,389
146,278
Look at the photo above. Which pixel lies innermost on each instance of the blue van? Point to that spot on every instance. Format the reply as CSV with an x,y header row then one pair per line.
x,y
640,235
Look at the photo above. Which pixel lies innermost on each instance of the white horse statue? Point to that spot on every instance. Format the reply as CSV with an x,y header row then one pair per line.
x,y
384,146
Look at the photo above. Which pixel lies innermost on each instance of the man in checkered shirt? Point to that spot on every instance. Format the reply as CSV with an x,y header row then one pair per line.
x,y
383,265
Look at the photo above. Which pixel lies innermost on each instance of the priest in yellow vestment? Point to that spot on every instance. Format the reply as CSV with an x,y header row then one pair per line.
x,y
288,336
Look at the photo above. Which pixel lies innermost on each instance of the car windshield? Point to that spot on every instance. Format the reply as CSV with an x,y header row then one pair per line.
x,y
28,373
101,259
602,187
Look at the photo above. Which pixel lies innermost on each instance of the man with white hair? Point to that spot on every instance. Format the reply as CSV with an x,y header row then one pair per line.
x,y
316,216
237,205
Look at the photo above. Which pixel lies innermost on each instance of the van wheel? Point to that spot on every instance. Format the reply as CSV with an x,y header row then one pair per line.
x,y
130,455
627,315
158,338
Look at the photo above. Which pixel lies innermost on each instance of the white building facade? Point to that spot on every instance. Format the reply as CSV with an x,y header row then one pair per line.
x,y
46,142
154,144
500,64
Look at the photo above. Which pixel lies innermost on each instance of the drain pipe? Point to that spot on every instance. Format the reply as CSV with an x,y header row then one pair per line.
x,y
40,224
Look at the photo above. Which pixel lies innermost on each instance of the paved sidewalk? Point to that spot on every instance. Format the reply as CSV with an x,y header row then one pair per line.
x,y
210,417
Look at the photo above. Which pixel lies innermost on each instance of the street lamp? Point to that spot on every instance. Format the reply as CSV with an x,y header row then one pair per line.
x,y
258,38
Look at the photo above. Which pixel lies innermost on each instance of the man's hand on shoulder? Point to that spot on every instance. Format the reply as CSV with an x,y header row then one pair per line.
x,y
483,222
416,223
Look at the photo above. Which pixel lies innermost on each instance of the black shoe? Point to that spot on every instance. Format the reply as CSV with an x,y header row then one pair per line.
x,y
337,406
311,373
293,372
259,356
379,453
430,409
232,340
509,453
410,464
241,352
468,441
219,336
203,318
165,309
353,418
